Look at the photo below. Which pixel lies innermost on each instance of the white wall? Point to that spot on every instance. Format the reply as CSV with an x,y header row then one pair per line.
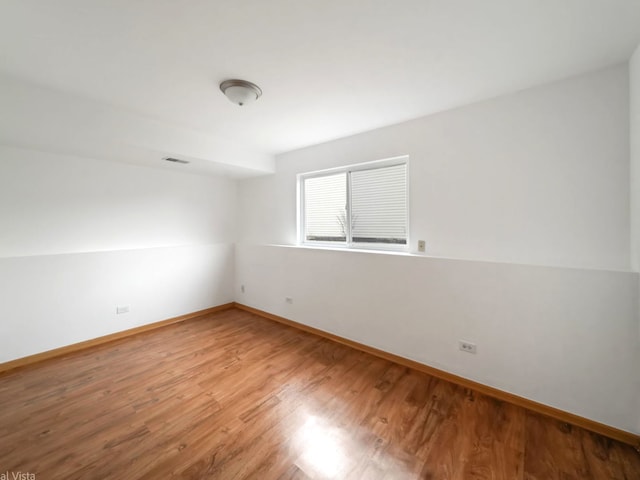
x,y
80,236
538,177
634,94
634,87
531,193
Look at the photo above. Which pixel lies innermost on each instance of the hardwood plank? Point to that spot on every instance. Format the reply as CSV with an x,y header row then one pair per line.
x,y
76,347
234,396
559,450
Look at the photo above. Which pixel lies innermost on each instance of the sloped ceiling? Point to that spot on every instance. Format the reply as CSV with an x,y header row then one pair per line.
x,y
136,80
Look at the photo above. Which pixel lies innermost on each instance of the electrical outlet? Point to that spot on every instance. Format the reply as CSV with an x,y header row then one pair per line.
x,y
288,299
421,246
242,288
467,346
122,309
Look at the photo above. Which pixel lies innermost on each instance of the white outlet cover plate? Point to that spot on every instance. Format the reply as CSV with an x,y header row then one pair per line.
x,y
468,347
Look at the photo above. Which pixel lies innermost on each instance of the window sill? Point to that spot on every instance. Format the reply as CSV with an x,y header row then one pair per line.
x,y
354,250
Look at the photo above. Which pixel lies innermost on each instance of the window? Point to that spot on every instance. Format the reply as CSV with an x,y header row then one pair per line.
x,y
361,206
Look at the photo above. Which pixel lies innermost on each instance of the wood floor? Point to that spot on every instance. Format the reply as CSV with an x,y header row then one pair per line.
x,y
235,396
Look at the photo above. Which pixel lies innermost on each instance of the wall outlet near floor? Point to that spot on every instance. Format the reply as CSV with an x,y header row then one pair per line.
x,y
242,288
422,246
467,346
122,309
288,299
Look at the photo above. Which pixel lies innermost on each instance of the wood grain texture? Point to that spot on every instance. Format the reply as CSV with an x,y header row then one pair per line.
x,y
591,425
75,347
234,396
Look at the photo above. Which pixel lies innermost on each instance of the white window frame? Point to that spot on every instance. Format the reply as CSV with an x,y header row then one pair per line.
x,y
388,162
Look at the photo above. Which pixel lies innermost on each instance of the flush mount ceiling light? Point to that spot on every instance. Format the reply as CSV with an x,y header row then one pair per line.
x,y
240,92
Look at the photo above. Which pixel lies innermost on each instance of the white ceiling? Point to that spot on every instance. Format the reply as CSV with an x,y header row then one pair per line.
x,y
327,68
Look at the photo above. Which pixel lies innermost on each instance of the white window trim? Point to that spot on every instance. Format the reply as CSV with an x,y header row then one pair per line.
x,y
387,162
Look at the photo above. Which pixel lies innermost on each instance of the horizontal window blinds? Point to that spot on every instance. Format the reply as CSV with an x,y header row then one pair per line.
x,y
325,199
379,205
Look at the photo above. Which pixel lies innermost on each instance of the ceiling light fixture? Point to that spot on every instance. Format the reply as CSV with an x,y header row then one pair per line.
x,y
240,92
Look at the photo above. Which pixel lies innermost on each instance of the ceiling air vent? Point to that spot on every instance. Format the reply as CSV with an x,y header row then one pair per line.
x,y
175,160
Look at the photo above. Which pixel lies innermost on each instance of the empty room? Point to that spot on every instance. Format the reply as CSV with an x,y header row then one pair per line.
x,y
352,239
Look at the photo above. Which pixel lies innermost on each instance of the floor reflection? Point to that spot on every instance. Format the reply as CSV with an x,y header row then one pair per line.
x,y
326,451
322,449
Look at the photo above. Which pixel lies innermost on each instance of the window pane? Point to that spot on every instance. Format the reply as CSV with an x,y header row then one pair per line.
x,y
379,205
325,199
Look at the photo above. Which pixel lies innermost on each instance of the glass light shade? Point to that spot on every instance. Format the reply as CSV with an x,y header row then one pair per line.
x,y
240,92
